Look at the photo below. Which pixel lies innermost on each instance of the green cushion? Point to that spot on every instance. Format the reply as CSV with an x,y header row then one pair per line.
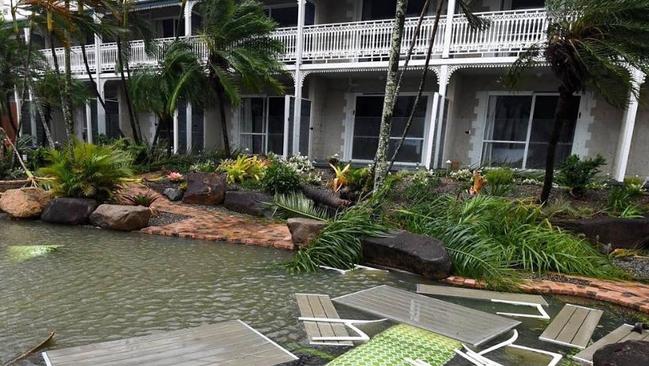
x,y
392,346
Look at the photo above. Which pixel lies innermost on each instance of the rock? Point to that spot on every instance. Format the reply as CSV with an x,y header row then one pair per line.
x,y
205,189
24,203
69,211
173,194
618,232
304,230
248,202
629,353
120,217
410,252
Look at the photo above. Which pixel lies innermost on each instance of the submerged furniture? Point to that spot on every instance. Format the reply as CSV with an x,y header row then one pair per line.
x,y
399,346
479,358
622,334
534,301
572,327
232,343
323,324
454,321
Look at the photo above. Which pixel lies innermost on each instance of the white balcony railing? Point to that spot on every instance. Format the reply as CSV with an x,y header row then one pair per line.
x,y
509,33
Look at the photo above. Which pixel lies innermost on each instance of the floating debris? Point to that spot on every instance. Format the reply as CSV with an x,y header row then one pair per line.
x,y
22,253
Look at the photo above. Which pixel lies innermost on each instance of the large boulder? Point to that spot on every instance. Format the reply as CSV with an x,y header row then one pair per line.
x,y
69,211
629,353
205,189
119,217
249,202
410,252
24,203
618,232
304,230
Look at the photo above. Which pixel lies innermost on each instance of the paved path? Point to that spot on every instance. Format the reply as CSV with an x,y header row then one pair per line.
x,y
217,224
633,295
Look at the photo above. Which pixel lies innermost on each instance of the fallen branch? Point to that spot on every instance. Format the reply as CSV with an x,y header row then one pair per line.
x,y
29,174
31,350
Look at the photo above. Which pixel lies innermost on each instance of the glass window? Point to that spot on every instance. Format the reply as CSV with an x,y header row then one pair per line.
x,y
368,122
385,9
251,122
518,130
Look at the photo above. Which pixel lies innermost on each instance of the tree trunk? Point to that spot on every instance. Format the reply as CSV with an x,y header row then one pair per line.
x,y
391,93
324,196
129,104
46,127
422,84
67,82
57,72
224,126
561,115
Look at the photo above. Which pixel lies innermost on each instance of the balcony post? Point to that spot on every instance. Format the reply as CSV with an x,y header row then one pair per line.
x,y
176,135
448,31
626,132
297,107
88,123
438,114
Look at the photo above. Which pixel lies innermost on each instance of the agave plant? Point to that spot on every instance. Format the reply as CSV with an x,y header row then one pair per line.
x,y
85,170
141,199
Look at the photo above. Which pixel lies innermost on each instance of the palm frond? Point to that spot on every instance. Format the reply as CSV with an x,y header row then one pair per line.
x,y
296,204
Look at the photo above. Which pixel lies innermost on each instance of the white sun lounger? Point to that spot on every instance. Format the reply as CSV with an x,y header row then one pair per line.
x,y
479,359
324,326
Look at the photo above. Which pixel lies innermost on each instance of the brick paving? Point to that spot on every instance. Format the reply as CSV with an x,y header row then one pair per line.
x,y
216,224
633,295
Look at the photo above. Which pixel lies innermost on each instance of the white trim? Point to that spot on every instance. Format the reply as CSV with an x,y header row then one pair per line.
x,y
46,359
268,339
539,307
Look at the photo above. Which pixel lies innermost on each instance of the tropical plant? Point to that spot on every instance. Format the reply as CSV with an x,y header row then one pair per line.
x,y
241,52
49,91
621,200
298,205
280,178
577,173
421,185
589,44
85,170
206,166
141,199
178,77
340,176
499,181
489,237
243,168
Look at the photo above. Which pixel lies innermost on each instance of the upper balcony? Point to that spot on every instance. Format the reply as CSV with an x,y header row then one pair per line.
x,y
509,33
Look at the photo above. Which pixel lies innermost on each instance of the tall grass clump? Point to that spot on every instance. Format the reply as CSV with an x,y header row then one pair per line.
x,y
490,237
83,170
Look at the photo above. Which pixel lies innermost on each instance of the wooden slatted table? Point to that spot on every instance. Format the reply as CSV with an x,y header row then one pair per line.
x,y
622,334
320,306
454,321
477,294
229,343
573,326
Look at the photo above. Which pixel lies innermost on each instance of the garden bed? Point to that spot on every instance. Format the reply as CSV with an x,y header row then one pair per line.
x,y
13,184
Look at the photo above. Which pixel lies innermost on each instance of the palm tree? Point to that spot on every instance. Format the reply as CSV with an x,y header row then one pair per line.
x,y
12,60
589,44
241,52
179,77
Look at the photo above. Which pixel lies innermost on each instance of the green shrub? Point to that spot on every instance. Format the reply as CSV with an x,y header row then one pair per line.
x,y
577,174
243,168
280,179
499,181
421,186
141,199
85,170
206,166
488,237
621,199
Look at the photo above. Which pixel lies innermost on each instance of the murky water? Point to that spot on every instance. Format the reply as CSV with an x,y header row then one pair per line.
x,y
102,285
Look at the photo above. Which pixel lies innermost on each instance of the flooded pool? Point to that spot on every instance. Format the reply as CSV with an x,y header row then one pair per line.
x,y
102,285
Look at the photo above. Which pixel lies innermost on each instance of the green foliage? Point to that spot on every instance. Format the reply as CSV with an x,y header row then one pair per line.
x,y
358,179
141,199
280,178
85,170
339,243
577,173
421,186
206,166
297,205
499,181
243,168
48,88
489,237
621,200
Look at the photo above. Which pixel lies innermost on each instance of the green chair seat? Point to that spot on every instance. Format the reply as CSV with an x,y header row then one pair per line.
x,y
393,346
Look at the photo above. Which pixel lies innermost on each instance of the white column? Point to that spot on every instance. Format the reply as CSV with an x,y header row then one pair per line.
x,y
32,116
626,132
188,109
299,47
448,31
88,123
101,113
19,106
438,112
175,129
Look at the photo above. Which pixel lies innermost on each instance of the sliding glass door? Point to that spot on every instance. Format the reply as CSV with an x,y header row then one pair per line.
x,y
518,129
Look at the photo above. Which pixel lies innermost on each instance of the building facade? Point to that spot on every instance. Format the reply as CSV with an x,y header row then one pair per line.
x,y
336,58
